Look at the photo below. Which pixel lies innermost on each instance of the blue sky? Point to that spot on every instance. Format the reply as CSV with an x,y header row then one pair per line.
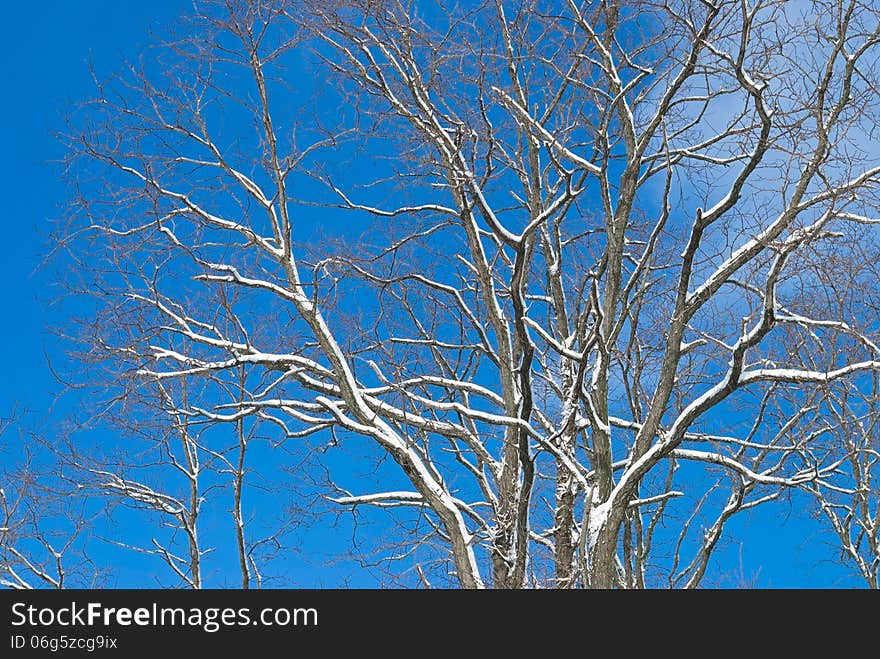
x,y
46,57
46,54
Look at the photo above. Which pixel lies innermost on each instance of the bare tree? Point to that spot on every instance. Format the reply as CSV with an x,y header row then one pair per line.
x,y
171,471
852,506
573,268
43,523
